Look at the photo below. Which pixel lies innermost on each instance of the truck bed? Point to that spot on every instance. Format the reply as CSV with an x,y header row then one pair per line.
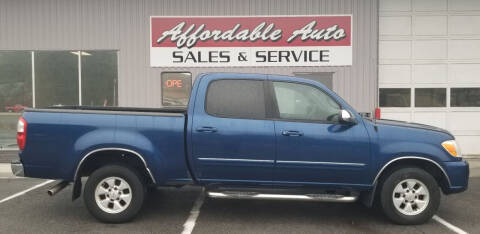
x,y
60,137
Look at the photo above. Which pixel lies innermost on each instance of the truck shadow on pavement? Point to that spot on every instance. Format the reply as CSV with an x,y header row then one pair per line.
x,y
167,209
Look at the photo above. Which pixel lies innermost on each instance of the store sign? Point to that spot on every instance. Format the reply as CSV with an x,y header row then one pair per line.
x,y
251,41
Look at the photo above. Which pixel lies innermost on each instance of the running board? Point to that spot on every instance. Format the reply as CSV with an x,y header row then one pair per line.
x,y
304,197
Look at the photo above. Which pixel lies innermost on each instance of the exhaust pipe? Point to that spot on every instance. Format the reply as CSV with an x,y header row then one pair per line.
x,y
57,188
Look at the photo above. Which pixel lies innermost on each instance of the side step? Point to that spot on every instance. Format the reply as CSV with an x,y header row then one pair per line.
x,y
266,196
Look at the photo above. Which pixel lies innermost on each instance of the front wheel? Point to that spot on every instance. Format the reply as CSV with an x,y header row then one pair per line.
x,y
410,196
114,193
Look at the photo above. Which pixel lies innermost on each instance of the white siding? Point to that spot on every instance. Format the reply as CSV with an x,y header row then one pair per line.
x,y
394,74
430,49
464,49
430,25
464,5
429,5
395,5
464,73
395,49
430,73
464,24
442,51
400,25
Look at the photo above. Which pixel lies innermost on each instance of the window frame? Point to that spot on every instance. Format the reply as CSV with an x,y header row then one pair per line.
x,y
77,75
81,75
276,111
411,98
30,82
161,87
268,104
450,102
415,98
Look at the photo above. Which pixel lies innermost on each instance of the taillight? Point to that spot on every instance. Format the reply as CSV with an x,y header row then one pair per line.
x,y
377,113
21,133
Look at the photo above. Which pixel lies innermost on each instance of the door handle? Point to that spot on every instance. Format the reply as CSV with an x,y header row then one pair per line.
x,y
206,129
292,133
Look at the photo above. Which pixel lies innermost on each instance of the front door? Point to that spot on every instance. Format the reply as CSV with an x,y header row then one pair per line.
x,y
232,139
313,147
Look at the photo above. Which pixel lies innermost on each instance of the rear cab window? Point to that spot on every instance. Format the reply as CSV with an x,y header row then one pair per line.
x,y
232,98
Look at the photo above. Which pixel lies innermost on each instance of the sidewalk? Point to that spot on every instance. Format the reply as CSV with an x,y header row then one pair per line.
x,y
7,156
472,156
5,170
474,164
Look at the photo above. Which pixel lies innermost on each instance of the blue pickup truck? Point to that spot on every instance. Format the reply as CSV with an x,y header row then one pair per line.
x,y
248,136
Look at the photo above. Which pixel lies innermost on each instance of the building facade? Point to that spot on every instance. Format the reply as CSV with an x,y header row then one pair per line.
x,y
90,52
429,62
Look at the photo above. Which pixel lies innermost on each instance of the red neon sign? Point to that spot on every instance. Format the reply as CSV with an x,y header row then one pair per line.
x,y
174,83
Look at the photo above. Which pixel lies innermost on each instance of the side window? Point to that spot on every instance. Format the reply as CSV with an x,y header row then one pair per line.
x,y
236,99
304,102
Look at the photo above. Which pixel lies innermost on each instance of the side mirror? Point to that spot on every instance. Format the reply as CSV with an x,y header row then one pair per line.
x,y
347,117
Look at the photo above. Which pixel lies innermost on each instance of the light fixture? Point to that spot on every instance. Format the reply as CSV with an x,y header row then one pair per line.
x,y
82,53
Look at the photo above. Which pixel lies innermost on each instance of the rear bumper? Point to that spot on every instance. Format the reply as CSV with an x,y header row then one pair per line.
x,y
17,168
458,173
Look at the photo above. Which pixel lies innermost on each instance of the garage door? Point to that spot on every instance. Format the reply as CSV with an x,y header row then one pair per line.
x,y
429,65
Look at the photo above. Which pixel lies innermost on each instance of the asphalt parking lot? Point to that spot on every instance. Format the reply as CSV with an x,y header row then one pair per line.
x,y
167,210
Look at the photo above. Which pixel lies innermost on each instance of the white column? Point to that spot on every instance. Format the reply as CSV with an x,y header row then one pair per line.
x,y
33,79
80,78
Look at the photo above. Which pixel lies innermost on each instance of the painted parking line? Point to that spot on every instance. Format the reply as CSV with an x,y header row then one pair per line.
x,y
190,223
12,177
25,191
449,225
192,219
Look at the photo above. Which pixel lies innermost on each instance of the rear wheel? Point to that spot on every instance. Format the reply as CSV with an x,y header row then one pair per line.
x,y
114,193
410,196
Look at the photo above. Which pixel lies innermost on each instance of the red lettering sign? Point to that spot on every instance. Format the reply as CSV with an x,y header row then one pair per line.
x,y
248,41
174,83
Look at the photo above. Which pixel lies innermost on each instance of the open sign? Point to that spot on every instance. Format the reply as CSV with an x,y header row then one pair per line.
x,y
176,88
174,83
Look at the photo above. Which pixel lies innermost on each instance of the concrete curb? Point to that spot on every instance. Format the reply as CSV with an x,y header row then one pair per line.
x,y
7,156
471,156
5,170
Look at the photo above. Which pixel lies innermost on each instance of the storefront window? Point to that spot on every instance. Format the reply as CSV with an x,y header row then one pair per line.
x,y
394,97
99,78
56,78
176,88
430,97
15,93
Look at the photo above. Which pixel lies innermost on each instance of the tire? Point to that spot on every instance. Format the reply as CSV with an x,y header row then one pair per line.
x,y
404,205
114,193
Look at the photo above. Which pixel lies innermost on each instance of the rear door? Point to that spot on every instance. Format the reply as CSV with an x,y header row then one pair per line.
x,y
232,139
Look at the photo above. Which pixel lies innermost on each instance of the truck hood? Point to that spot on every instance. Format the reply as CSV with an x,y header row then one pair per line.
x,y
411,125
